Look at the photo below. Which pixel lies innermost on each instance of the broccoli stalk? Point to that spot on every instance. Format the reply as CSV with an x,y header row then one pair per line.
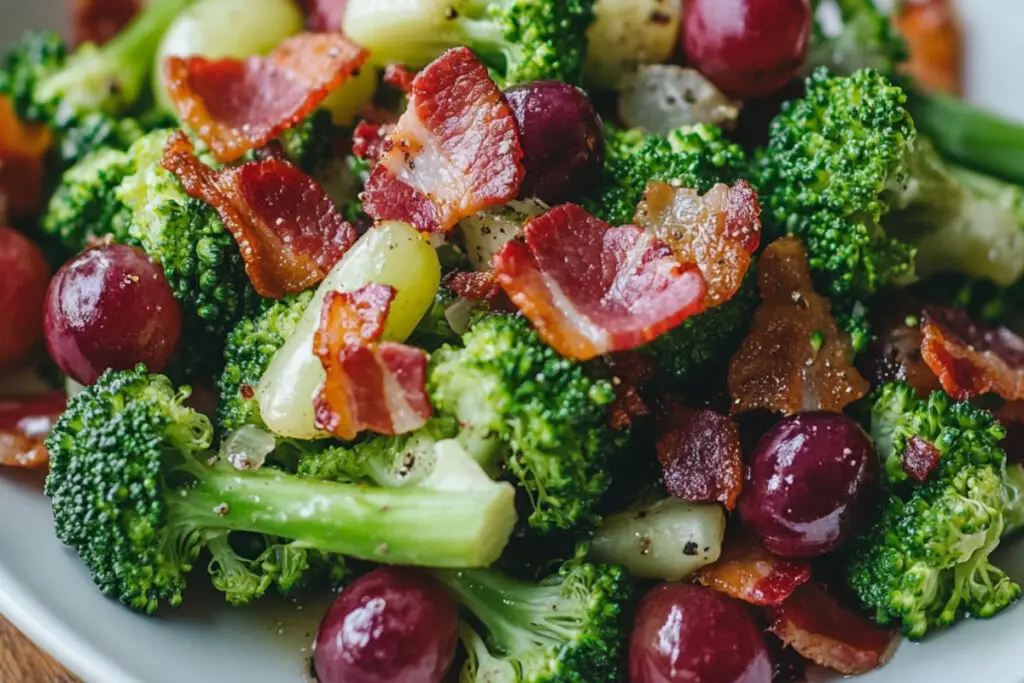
x,y
926,561
568,627
88,95
137,493
521,40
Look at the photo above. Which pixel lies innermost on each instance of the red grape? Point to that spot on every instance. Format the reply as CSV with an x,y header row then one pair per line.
x,y
685,633
562,137
23,278
810,483
110,307
392,624
748,48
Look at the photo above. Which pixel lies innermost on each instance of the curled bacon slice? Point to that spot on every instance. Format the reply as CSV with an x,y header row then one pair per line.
x,y
454,152
24,423
22,149
591,289
971,360
718,231
795,357
700,453
289,231
97,21
380,386
238,105
748,572
828,634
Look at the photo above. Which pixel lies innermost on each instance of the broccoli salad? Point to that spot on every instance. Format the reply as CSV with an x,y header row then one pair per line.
x,y
592,341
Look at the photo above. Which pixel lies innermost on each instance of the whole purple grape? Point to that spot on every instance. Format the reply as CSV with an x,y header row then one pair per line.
x,y
809,485
562,137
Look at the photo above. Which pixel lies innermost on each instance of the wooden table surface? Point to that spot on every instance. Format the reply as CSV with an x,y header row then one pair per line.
x,y
23,662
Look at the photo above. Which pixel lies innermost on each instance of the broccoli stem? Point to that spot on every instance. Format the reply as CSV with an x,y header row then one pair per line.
x,y
970,136
410,525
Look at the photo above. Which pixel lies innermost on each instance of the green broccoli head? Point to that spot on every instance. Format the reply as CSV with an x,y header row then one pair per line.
x,y
696,157
548,414
86,205
249,347
568,627
865,39
137,493
926,562
186,236
37,56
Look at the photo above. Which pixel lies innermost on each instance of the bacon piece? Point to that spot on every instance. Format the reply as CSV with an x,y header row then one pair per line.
x,y
591,289
971,360
795,357
920,459
238,105
399,76
748,572
97,21
933,34
895,353
289,231
828,634
22,149
24,423
474,286
718,231
368,140
454,152
630,373
380,386
324,15
700,453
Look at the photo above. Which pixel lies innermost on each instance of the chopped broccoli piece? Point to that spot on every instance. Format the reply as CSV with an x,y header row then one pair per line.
x,y
521,40
570,626
696,157
85,205
247,353
548,416
926,562
865,39
873,202
136,491
94,96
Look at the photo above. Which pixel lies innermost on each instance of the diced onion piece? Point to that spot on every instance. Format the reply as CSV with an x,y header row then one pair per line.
x,y
668,540
392,254
626,34
485,233
247,447
664,97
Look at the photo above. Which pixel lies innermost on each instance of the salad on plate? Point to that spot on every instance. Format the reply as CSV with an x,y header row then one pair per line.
x,y
561,340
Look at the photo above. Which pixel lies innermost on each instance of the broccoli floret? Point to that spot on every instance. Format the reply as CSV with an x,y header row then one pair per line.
x,y
697,352
94,96
569,627
548,416
435,330
873,202
926,561
186,236
247,353
865,38
521,40
136,491
85,204
696,157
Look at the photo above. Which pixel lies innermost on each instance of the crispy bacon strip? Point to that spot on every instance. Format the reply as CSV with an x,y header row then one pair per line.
x,y
933,33
700,453
289,231
795,357
825,632
718,231
24,423
22,149
748,572
238,105
971,360
592,289
454,152
97,21
380,386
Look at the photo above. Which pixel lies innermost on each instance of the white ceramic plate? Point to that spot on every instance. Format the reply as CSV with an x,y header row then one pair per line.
x,y
46,592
